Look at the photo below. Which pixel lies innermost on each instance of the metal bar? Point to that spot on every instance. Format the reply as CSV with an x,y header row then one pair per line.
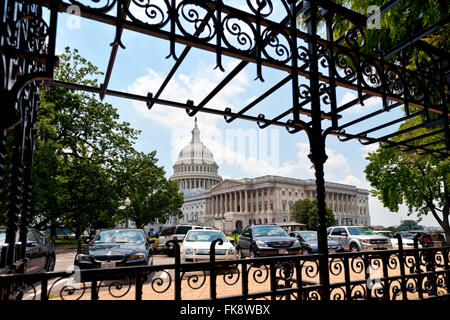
x,y
235,53
368,116
426,135
218,88
432,123
122,13
417,37
243,64
260,98
390,123
178,63
318,155
161,101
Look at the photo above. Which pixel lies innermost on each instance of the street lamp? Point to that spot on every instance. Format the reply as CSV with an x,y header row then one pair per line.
x,y
127,204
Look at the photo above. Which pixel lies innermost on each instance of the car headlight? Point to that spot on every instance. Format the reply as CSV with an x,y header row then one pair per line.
x,y
365,241
231,251
188,251
261,244
136,256
83,257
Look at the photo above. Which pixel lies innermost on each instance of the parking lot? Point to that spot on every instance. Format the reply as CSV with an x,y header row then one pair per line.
x,y
195,285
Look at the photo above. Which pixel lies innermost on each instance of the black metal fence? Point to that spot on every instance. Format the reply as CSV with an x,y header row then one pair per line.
x,y
403,274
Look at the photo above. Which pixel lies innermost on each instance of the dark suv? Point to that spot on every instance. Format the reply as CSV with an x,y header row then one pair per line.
x,y
266,240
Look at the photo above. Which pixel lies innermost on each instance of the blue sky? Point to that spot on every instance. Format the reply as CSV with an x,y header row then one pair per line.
x,y
141,68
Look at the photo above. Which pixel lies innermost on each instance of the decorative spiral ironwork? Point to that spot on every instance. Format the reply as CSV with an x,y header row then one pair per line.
x,y
117,289
264,8
160,285
195,281
338,294
102,6
304,58
394,82
357,265
355,38
70,290
279,42
358,292
336,266
370,75
231,276
196,20
285,270
238,34
395,289
345,67
258,275
311,269
148,12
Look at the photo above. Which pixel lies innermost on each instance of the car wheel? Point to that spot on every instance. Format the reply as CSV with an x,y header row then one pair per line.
x,y
50,263
354,248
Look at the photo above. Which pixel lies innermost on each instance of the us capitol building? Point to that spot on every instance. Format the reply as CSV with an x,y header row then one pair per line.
x,y
234,203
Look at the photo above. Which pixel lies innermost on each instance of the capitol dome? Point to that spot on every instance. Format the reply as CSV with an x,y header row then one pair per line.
x,y
195,167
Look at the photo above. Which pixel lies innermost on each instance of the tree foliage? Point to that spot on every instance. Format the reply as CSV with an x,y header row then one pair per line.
x,y
85,163
153,197
305,211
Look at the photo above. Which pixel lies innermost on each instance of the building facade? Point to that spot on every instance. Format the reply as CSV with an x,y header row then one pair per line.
x,y
195,167
235,203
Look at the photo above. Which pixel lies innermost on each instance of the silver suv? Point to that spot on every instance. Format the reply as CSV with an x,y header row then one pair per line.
x,y
353,238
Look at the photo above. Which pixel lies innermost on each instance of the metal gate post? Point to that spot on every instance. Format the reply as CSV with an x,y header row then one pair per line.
x,y
317,147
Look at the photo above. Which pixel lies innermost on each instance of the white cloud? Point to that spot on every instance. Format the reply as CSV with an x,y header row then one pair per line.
x,y
368,148
359,109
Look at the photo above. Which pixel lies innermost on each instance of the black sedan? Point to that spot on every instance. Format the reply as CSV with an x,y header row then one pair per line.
x,y
117,248
308,241
266,240
40,253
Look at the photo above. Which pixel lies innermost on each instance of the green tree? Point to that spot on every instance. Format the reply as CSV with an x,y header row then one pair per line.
x,y
80,142
305,211
152,196
421,182
408,225
85,163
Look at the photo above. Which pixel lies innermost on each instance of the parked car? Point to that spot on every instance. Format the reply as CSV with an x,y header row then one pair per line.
x,y
197,243
40,252
267,240
308,242
176,233
116,248
408,242
354,238
427,240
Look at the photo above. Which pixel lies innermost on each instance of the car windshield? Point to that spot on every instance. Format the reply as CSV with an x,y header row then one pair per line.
x,y
119,236
268,231
205,236
358,231
407,235
183,229
309,235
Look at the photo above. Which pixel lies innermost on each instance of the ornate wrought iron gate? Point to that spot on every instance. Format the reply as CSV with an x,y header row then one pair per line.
x,y
255,37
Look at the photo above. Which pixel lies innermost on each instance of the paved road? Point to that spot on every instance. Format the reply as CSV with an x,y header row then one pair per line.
x,y
64,260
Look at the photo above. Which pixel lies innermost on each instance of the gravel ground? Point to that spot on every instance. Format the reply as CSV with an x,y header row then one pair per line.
x,y
195,286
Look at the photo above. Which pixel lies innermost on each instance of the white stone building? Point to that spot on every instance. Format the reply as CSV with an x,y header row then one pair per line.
x,y
234,203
